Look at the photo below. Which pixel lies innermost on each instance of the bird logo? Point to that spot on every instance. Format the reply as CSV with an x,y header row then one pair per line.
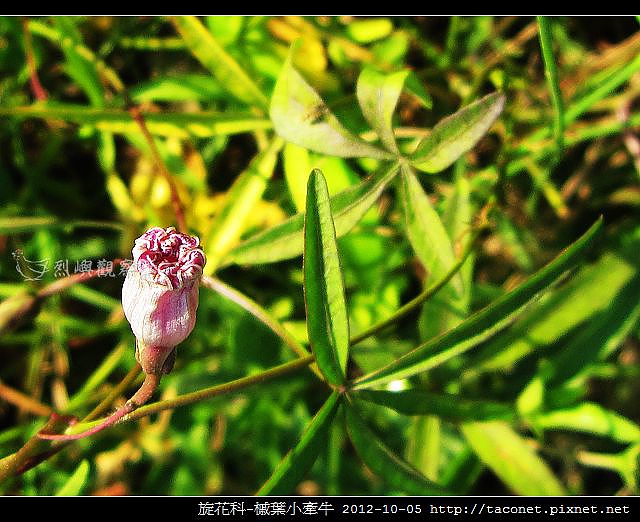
x,y
30,270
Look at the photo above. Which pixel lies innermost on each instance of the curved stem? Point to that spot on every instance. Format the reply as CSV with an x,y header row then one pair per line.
x,y
426,294
145,392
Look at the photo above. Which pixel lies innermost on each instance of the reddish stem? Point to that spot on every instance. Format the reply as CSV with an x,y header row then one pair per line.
x,y
145,392
136,114
36,86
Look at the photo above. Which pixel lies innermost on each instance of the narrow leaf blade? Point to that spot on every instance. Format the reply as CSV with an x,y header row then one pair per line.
x,y
450,407
301,116
230,75
457,134
484,323
285,240
397,473
511,458
378,96
299,460
327,321
425,231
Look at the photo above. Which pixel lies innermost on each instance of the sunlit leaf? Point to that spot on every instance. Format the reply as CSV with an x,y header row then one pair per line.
x,y
230,75
285,241
512,459
378,96
457,134
302,117
589,417
180,125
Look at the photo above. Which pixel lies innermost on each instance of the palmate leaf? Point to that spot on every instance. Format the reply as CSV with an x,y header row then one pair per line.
x,y
299,460
378,96
285,240
397,473
327,321
301,116
457,134
484,323
511,458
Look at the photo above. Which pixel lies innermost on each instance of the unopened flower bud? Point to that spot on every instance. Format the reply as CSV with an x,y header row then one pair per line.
x,y
160,295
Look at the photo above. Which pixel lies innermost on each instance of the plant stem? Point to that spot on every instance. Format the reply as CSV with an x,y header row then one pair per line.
x,y
137,116
222,389
426,294
36,87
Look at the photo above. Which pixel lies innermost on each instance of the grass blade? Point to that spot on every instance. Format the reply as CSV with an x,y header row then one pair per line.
x,y
230,75
551,73
327,321
181,125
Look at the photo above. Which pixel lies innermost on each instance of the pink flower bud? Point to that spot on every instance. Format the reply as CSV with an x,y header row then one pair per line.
x,y
160,295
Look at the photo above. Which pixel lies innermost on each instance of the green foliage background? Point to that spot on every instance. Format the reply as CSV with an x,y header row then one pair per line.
x,y
533,394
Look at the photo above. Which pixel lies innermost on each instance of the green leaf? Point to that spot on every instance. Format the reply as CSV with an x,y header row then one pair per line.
x,y
589,417
301,116
181,87
414,86
484,323
600,299
82,71
457,134
285,240
397,473
327,321
449,307
299,460
511,458
229,74
76,482
449,407
176,124
425,231
378,96
369,30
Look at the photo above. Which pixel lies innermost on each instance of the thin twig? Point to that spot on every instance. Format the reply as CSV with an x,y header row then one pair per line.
x,y
37,88
136,114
